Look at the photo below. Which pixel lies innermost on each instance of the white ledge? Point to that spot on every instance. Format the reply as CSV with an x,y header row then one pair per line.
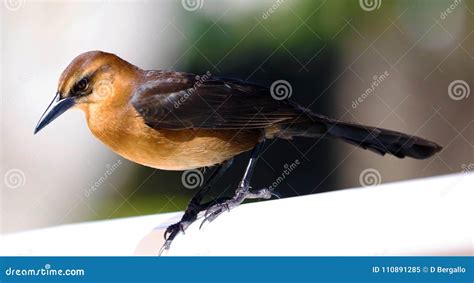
x,y
431,216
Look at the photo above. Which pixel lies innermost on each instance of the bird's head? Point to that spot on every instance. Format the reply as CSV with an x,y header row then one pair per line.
x,y
92,78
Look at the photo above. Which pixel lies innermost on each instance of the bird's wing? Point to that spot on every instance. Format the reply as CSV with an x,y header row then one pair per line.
x,y
182,101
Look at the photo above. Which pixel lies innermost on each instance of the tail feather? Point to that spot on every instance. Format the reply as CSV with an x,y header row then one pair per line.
x,y
378,140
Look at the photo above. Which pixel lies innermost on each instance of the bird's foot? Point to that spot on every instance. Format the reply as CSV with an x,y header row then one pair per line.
x,y
171,232
190,215
241,194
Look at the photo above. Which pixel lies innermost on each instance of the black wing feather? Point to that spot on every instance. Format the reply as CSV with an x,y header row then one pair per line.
x,y
215,103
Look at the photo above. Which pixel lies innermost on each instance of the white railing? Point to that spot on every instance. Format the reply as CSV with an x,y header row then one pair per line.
x,y
432,216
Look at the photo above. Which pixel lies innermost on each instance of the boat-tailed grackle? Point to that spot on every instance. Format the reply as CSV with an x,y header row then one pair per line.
x,y
175,121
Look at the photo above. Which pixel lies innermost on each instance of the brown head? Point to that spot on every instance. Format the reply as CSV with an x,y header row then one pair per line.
x,y
93,78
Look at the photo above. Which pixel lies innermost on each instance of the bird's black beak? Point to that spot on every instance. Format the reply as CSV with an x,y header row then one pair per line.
x,y
57,107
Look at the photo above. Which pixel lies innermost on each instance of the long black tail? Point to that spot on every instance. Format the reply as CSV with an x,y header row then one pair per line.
x,y
379,140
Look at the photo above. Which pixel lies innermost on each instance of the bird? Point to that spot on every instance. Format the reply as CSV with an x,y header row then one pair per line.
x,y
178,121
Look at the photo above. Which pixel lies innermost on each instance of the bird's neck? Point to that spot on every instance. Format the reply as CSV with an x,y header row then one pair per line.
x,y
109,124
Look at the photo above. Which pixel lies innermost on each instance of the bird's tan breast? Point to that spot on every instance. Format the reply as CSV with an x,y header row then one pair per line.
x,y
125,132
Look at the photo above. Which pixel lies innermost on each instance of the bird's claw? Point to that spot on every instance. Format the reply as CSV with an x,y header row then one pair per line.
x,y
171,232
242,194
214,211
277,195
260,194
165,247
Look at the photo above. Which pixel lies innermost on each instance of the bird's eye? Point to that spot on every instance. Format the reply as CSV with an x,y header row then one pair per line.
x,y
82,85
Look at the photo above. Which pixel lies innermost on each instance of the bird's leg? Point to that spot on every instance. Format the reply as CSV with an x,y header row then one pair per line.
x,y
195,206
243,191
